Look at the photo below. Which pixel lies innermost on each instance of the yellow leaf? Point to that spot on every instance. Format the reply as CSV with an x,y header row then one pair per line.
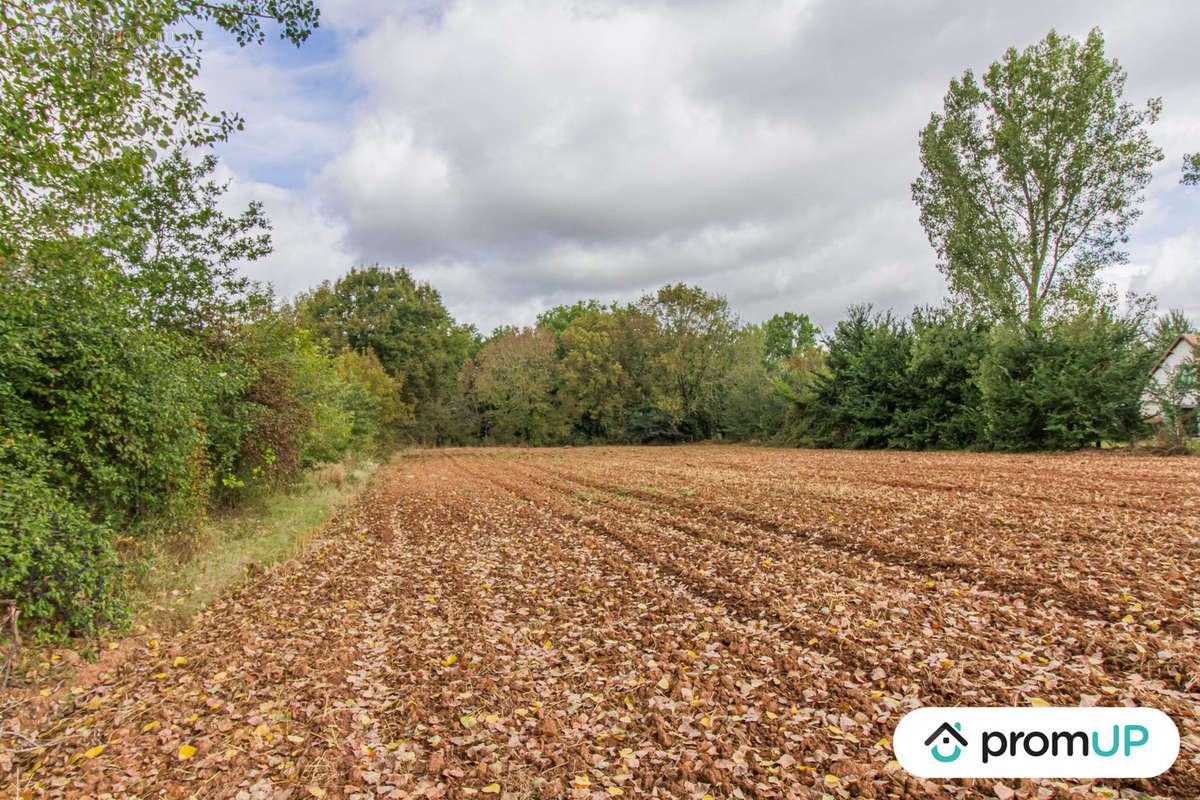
x,y
832,780
186,751
492,719
467,721
314,790
450,660
1127,618
615,791
582,781
149,726
491,788
180,661
1038,702
95,751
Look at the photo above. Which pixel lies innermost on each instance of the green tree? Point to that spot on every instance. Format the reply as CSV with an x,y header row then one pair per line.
x,y
940,402
690,356
517,384
1031,177
1168,327
752,406
598,372
374,399
405,324
1069,384
559,318
855,401
787,334
91,90
115,416
180,253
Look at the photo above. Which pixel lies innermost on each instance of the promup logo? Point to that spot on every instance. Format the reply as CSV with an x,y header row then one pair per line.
x,y
1036,742
946,733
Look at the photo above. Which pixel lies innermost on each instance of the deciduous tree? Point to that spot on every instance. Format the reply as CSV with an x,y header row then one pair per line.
x,y
1032,176
92,91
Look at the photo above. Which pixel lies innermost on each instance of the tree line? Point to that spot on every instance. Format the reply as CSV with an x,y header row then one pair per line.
x,y
145,382
677,365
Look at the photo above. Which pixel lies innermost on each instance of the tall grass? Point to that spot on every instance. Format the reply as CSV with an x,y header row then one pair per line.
x,y
266,530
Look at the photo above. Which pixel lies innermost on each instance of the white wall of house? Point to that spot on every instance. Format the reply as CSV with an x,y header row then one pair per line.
x,y
1182,352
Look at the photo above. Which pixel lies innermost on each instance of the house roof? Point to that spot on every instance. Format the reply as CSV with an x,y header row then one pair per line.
x,y
945,727
1190,338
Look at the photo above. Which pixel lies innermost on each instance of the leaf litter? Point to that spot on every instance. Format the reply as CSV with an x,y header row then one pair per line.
x,y
683,622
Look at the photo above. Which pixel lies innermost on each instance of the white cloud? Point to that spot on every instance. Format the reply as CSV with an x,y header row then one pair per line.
x,y
308,245
519,154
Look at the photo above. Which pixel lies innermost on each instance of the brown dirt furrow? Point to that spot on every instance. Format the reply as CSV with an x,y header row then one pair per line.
x,y
672,622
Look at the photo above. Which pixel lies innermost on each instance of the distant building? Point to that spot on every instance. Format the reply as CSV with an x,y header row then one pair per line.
x,y
1179,361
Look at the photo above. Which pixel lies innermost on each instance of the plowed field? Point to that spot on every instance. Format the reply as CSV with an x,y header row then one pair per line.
x,y
659,622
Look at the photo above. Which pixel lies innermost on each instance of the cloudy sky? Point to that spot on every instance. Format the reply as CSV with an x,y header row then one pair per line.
x,y
522,154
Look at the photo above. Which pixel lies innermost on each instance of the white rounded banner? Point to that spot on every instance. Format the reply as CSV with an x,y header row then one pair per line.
x,y
938,742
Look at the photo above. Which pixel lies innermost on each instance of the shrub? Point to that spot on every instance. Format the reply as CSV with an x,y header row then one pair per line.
x,y
57,565
1063,385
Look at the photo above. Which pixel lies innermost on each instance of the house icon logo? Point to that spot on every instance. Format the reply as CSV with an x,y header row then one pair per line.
x,y
945,732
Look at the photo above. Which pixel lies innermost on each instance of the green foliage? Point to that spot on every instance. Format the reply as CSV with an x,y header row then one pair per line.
x,y
408,329
786,334
112,400
374,401
1167,329
1191,170
856,401
689,355
92,89
1031,177
179,252
941,401
752,405
559,318
599,372
138,370
516,383
58,565
1066,385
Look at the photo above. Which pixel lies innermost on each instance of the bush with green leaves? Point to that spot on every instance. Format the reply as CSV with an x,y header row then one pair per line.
x,y
1065,384
940,402
59,566
113,400
855,401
